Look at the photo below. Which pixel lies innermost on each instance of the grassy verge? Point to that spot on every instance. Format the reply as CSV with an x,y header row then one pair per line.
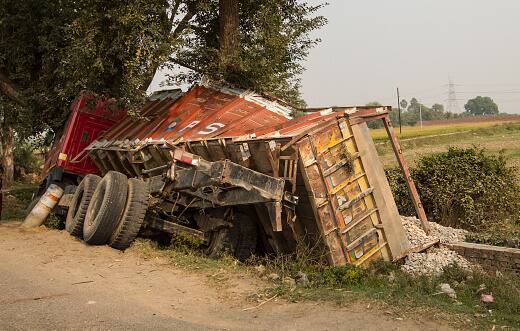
x,y
383,285
411,294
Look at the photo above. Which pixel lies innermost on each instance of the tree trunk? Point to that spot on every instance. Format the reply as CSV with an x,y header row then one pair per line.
x,y
7,155
229,34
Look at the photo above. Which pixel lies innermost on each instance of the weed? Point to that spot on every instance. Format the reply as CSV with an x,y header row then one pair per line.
x,y
184,243
54,222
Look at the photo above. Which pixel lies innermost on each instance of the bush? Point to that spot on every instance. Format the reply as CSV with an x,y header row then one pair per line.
x,y
465,188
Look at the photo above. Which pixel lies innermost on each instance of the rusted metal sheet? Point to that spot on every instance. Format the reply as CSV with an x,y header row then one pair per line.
x,y
202,113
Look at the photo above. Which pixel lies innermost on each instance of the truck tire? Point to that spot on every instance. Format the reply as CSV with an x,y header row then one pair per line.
x,y
105,208
219,244
245,245
133,215
79,205
239,240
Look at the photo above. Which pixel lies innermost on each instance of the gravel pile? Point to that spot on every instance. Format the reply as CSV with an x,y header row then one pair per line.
x,y
417,236
432,260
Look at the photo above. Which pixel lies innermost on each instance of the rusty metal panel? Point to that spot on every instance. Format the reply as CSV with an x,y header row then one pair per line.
x,y
342,196
202,113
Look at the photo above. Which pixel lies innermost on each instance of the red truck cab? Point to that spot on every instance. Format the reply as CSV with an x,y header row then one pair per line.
x,y
89,117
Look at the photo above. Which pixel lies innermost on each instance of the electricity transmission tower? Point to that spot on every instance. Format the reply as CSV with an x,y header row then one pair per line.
x,y
453,105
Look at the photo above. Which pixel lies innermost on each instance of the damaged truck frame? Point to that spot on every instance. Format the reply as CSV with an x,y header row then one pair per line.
x,y
235,171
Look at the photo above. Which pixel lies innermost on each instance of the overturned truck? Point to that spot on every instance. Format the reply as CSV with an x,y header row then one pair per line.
x,y
235,171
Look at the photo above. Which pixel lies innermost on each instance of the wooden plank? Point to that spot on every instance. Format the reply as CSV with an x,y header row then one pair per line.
x,y
389,215
409,182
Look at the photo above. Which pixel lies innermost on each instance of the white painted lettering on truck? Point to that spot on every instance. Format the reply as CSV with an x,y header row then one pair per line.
x,y
189,126
211,128
171,126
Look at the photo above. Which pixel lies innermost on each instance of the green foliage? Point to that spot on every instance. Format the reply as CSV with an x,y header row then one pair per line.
x,y
16,200
346,275
464,188
109,47
481,106
24,157
54,222
400,191
184,243
508,237
412,115
31,36
115,47
274,38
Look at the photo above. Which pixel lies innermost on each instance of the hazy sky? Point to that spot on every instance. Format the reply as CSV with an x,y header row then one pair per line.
x,y
370,47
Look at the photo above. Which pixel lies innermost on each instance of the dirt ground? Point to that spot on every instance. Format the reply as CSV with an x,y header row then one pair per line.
x,y
50,281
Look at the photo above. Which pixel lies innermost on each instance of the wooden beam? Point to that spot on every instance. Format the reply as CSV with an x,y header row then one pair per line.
x,y
406,172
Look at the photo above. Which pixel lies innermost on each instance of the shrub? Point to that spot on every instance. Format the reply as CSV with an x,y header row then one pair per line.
x,y
465,188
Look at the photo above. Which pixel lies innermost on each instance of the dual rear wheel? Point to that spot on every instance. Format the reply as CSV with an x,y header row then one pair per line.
x,y
111,210
108,210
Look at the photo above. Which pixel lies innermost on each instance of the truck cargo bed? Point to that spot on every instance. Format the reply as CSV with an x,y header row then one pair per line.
x,y
316,178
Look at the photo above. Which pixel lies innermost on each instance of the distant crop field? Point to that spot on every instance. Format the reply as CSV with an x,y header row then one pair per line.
x,y
432,128
415,142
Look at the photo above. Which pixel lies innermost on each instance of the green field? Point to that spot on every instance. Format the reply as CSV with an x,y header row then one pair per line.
x,y
415,141
448,127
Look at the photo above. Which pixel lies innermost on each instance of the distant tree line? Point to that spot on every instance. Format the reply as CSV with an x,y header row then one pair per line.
x,y
477,106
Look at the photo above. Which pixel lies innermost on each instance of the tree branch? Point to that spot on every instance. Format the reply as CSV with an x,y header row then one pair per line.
x,y
185,65
8,88
174,12
184,22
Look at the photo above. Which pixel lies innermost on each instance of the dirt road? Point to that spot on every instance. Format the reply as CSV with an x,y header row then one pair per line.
x,y
50,281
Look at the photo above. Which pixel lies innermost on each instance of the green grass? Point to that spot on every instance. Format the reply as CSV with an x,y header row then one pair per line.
x,y
429,130
497,138
409,294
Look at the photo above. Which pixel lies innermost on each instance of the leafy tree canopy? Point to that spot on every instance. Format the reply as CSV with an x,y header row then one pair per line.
x,y
481,106
50,50
274,39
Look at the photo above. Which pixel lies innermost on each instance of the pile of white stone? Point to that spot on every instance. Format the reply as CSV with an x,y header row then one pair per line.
x,y
434,259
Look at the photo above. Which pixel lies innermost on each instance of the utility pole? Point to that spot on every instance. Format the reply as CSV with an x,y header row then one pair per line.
x,y
420,114
399,107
